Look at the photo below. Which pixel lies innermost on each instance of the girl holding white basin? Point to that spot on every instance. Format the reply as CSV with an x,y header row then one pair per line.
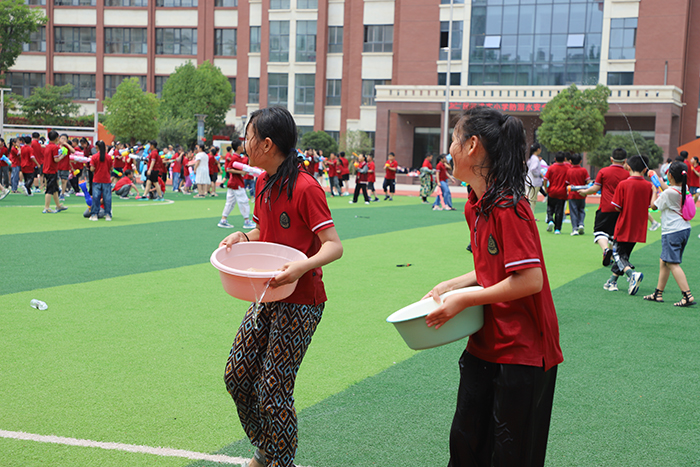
x,y
509,367
290,209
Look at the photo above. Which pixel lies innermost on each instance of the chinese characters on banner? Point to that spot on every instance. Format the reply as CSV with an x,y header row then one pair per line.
x,y
504,107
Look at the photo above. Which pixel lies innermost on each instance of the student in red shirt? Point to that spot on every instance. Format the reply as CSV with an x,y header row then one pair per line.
x,y
577,176
606,216
443,180
14,149
124,185
693,174
28,164
214,170
334,168
235,193
556,193
344,174
39,156
389,184
290,209
427,178
509,367
632,199
51,159
371,177
361,177
155,166
101,167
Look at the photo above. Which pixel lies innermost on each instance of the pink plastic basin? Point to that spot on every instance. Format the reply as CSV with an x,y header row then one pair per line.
x,y
247,268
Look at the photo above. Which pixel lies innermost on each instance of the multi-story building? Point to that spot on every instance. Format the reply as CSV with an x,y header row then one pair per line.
x,y
381,65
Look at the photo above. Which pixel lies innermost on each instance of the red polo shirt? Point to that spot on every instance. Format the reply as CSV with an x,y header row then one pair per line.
x,y
344,168
14,157
523,331
25,155
213,165
556,176
38,151
102,168
442,171
608,178
390,174
693,179
158,166
235,181
50,164
371,176
576,175
632,197
332,168
296,223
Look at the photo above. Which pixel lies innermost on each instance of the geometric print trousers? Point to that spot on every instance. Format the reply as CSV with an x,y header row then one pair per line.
x,y
261,371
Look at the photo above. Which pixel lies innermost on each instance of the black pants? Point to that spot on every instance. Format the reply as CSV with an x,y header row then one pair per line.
x,y
360,186
621,256
503,414
555,211
28,181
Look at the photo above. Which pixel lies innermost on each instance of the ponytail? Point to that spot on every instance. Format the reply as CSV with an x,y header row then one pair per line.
x,y
103,151
679,171
684,182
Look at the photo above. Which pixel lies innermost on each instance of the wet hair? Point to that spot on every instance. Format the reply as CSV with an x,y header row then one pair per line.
x,y
503,138
638,163
278,124
534,148
679,171
684,154
560,156
575,158
53,135
619,154
103,150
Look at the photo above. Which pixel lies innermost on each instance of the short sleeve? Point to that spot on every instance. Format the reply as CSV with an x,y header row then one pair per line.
x,y
313,208
619,197
521,250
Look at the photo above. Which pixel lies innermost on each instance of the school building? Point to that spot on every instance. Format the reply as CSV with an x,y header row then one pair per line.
x,y
381,66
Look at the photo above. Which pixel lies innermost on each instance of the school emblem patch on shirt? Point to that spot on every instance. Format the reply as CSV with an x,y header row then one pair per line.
x,y
284,220
492,246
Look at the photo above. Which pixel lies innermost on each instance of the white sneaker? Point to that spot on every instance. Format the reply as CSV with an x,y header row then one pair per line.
x,y
224,224
654,226
108,218
93,218
610,286
4,193
249,224
635,280
580,230
574,233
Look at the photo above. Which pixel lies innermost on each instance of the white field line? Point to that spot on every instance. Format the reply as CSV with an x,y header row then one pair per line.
x,y
139,203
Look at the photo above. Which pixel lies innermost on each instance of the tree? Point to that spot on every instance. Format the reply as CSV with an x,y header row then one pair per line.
x,y
198,90
176,131
319,140
600,156
131,114
355,141
17,23
574,120
49,105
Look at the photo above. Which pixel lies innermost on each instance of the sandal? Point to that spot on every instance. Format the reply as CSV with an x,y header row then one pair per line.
x,y
655,297
687,299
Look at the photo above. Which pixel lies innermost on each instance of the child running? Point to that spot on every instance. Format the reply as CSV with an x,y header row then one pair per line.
x,y
675,232
290,209
577,176
509,367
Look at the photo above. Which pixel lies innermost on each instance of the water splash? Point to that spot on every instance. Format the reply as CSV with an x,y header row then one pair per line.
x,y
257,305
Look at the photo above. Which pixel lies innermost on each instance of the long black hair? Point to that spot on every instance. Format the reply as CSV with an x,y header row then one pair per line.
x,y
103,150
503,138
278,124
679,171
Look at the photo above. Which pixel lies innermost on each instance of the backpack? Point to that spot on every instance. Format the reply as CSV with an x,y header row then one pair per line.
x,y
688,209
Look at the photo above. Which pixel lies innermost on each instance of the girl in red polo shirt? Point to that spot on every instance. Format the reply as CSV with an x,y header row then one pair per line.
x,y
290,209
509,367
101,166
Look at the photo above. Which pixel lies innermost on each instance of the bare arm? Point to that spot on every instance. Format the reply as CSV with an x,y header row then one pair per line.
x,y
590,191
331,250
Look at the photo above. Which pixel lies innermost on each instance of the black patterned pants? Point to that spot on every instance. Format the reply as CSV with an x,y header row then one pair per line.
x,y
261,371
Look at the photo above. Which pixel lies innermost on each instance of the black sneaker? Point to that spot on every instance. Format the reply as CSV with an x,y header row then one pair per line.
x,y
607,256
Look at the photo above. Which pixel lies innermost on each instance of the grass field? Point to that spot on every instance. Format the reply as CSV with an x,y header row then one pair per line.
x,y
133,345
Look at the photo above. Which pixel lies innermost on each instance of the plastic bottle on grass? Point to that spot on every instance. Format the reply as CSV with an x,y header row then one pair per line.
x,y
38,304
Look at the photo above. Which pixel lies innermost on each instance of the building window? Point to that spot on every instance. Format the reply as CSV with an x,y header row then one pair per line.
x,y
306,41
623,37
37,41
335,135
379,38
126,41
177,3
535,43
225,42
447,2
226,3
175,41
113,81
75,2
457,39
621,78
35,2
307,4
335,39
455,79
233,89
160,82
255,39
126,2
75,40
304,87
83,85
303,129
279,41
22,84
253,90
277,85
279,4
369,91
333,88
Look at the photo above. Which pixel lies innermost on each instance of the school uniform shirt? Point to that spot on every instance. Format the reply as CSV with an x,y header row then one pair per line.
x,y
26,162
608,178
693,179
576,175
362,177
669,204
38,151
296,223
50,164
371,176
213,165
235,181
344,164
332,168
14,157
523,331
390,174
122,182
117,161
64,164
556,176
426,163
632,197
3,152
176,165
102,168
158,165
